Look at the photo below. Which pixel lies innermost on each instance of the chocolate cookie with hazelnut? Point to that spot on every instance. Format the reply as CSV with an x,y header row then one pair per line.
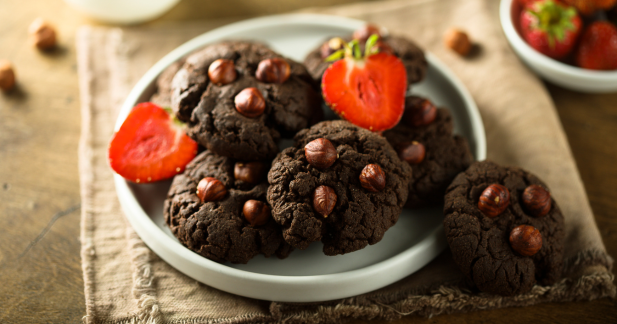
x,y
424,139
238,99
406,50
340,184
218,209
505,230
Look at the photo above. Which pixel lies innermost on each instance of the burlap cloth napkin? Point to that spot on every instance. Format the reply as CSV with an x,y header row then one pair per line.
x,y
125,282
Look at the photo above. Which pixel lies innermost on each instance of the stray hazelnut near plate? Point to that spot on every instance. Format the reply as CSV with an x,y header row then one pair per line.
x,y
320,153
373,178
42,34
526,240
537,200
250,103
249,172
222,72
331,46
256,212
458,41
210,189
7,75
421,112
412,153
275,70
324,200
494,200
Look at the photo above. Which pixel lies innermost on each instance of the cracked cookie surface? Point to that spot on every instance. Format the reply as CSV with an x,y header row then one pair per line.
x,y
210,112
410,54
217,230
446,156
480,244
360,217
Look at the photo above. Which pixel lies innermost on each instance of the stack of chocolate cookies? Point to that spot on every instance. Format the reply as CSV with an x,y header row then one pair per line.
x,y
340,184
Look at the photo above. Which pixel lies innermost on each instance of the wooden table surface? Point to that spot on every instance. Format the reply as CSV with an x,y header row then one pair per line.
x,y
40,272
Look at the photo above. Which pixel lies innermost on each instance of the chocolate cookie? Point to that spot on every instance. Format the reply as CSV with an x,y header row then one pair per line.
x,y
219,229
162,96
442,157
481,237
326,192
410,54
281,100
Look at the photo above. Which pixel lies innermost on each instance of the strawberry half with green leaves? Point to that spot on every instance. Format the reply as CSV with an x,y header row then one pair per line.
x,y
366,89
150,145
598,47
551,28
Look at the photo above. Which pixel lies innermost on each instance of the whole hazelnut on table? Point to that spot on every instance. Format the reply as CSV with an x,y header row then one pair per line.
x,y
42,34
7,75
320,153
249,172
210,189
526,240
412,153
324,200
331,46
494,200
458,41
222,72
256,212
537,200
274,70
419,112
366,31
250,103
373,178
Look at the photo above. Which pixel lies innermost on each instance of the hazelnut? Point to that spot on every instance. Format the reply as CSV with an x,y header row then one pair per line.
x,y
324,200
537,200
364,32
275,70
256,212
210,189
331,46
7,76
249,172
222,72
526,240
320,153
412,153
494,200
250,103
419,112
457,41
373,178
42,34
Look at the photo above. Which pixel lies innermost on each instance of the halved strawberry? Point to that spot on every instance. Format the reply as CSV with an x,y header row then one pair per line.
x,y
150,146
368,90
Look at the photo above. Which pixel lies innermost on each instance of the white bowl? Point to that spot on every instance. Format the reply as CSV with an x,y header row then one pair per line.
x,y
308,275
123,11
567,76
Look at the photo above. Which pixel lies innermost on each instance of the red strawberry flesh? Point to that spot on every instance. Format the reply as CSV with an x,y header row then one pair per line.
x,y
369,93
149,146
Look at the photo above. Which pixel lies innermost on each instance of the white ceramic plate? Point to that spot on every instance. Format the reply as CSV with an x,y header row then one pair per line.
x,y
308,275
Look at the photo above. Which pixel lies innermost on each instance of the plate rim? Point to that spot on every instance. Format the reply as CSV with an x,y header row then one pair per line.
x,y
252,284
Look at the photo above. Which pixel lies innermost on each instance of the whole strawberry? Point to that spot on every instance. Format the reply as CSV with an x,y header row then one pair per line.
x,y
551,28
588,7
598,47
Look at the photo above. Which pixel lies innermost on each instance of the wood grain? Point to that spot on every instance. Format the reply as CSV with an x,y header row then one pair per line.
x,y
40,271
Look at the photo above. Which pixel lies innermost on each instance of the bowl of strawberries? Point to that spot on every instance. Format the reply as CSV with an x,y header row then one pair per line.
x,y
572,43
